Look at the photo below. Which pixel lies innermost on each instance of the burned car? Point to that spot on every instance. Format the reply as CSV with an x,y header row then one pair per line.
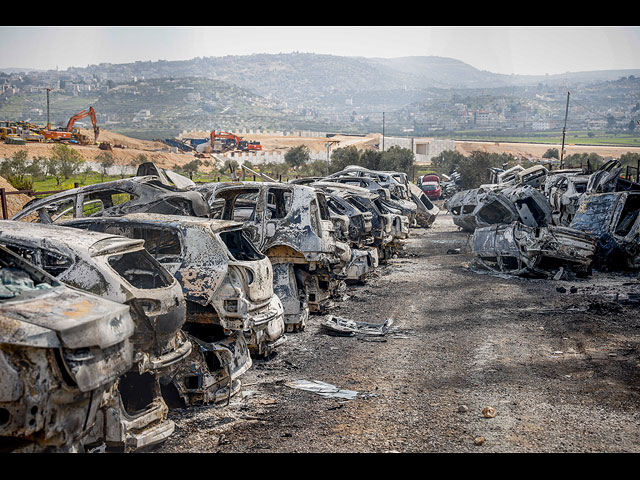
x,y
290,224
228,287
481,207
533,176
386,228
394,182
563,190
517,249
426,211
119,269
61,352
462,207
353,226
119,197
404,205
613,218
608,178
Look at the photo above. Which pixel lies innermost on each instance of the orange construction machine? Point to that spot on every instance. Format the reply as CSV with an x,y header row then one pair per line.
x,y
69,134
229,140
233,142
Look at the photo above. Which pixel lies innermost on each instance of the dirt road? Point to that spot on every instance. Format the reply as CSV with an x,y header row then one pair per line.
x,y
561,370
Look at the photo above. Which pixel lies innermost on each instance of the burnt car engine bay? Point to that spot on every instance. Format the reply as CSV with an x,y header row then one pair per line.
x,y
126,305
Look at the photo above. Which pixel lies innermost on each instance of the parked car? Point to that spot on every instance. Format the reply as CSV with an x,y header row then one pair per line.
x,y
119,269
62,351
430,185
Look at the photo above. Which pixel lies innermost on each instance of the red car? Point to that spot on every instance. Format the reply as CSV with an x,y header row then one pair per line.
x,y
430,185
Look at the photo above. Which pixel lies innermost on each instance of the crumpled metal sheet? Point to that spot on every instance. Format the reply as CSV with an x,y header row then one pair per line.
x,y
345,327
322,388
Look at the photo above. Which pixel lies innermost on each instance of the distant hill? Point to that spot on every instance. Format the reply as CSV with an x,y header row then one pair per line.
x,y
288,75
304,91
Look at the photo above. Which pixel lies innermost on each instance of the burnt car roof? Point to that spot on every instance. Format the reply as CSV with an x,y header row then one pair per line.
x,y
94,242
164,220
150,185
360,191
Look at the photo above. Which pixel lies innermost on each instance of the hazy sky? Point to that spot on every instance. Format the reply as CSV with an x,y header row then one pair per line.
x,y
519,50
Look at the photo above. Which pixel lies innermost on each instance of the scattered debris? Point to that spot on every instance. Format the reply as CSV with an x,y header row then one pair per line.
x,y
322,388
344,327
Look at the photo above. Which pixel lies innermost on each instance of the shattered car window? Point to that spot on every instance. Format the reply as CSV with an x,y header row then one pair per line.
x,y
217,208
325,214
139,269
52,263
62,209
628,216
241,248
13,282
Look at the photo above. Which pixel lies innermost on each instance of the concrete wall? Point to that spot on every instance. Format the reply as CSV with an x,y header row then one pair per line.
x,y
423,148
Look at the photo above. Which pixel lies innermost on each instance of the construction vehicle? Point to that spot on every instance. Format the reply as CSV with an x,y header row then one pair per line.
x,y
246,146
233,142
84,113
70,134
229,140
179,144
6,130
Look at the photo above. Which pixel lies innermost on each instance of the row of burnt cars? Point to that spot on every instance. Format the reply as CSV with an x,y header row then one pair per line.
x,y
121,300
552,224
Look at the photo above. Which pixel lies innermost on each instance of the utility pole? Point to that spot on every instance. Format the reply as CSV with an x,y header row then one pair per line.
x,y
383,131
328,146
564,131
48,118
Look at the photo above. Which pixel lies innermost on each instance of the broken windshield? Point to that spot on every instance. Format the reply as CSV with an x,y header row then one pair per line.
x,y
13,282
140,269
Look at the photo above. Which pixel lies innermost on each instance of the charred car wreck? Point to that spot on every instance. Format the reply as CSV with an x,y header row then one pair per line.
x,y
61,353
121,270
228,287
290,224
613,218
518,249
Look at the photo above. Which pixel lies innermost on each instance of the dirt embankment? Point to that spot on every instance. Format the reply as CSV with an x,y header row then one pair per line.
x,y
154,151
14,202
273,143
535,151
160,154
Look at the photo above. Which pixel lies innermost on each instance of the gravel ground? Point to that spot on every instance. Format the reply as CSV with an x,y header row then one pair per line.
x,y
561,370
